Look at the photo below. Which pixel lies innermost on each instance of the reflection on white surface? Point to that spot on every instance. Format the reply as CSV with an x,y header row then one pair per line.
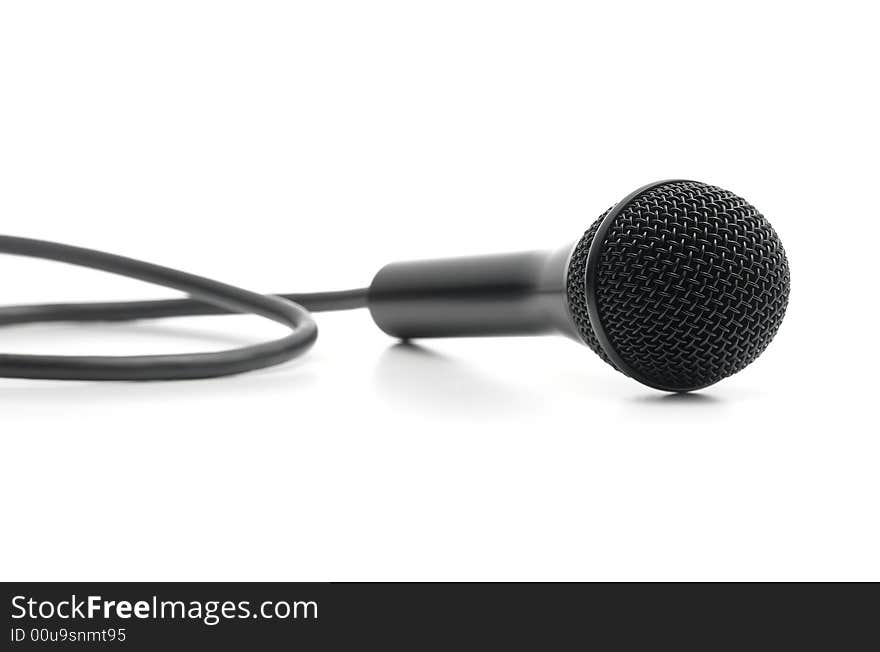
x,y
497,380
692,399
416,377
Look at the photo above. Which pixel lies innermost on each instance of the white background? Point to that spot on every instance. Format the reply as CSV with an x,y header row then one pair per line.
x,y
300,146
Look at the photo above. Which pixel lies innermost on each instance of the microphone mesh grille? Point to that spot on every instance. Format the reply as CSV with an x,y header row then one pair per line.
x,y
692,285
576,289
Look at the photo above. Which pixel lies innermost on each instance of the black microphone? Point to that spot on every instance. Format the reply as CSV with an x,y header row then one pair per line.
x,y
678,285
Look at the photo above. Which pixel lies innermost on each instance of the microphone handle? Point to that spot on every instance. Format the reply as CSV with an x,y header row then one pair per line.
x,y
503,294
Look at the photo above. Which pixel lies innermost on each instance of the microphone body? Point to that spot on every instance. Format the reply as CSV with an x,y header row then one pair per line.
x,y
521,293
678,285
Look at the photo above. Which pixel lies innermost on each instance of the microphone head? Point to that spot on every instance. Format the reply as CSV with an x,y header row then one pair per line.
x,y
679,285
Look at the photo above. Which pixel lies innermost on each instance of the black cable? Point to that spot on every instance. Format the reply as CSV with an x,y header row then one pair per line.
x,y
208,298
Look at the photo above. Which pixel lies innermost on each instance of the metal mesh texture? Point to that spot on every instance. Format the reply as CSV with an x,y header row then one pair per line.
x,y
692,285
